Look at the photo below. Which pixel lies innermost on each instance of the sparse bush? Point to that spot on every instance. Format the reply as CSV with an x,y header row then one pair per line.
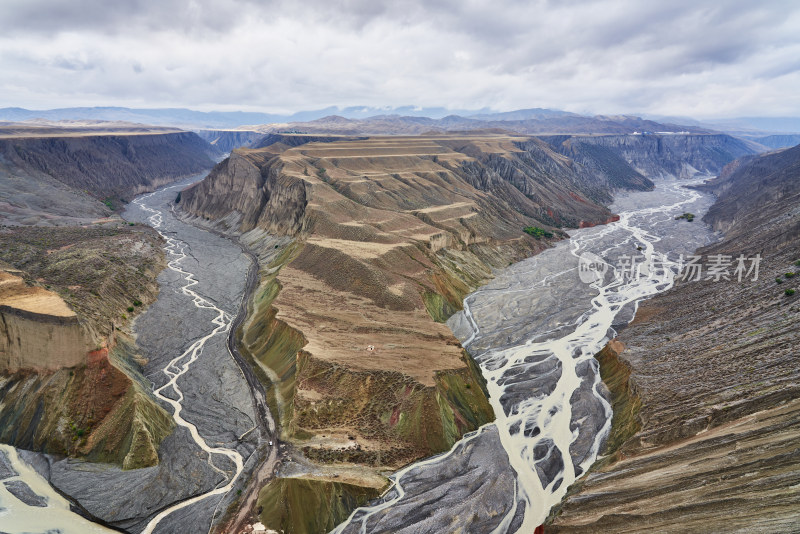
x,y
130,309
137,302
688,216
797,263
537,232
789,292
790,274
779,280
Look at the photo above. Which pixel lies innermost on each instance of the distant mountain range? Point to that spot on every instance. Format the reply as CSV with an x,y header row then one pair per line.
x,y
188,118
411,120
524,122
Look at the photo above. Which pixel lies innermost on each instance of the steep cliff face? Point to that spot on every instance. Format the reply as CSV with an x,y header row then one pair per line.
x,y
707,416
58,394
37,328
604,170
778,141
250,193
655,155
111,166
70,377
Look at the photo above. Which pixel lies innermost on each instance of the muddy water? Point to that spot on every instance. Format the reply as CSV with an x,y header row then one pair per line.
x,y
41,509
534,331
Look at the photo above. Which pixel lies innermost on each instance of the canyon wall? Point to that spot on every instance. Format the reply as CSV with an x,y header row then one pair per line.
x,y
655,155
70,374
38,341
705,382
111,166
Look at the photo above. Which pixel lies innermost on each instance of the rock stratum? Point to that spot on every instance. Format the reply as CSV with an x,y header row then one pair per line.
x,y
705,382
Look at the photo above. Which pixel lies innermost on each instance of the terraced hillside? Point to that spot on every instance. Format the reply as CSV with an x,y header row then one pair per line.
x,y
707,403
387,236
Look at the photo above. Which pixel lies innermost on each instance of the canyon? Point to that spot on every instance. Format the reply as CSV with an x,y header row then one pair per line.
x,y
403,306
412,225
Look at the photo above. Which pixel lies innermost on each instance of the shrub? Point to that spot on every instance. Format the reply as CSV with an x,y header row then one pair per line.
x,y
537,232
789,292
137,302
130,309
779,280
789,274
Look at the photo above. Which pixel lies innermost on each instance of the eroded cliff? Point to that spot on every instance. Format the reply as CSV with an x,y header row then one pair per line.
x,y
69,380
37,328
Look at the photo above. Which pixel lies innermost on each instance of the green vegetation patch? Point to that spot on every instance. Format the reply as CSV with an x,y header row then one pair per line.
x,y
537,232
688,216
437,306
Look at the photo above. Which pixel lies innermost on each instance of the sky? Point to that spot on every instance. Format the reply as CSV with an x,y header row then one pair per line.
x,y
690,58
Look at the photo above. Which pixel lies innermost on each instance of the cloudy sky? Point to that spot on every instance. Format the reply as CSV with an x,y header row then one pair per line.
x,y
696,58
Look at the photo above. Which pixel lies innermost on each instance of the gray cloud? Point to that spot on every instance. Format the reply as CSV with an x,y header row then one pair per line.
x,y
679,57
